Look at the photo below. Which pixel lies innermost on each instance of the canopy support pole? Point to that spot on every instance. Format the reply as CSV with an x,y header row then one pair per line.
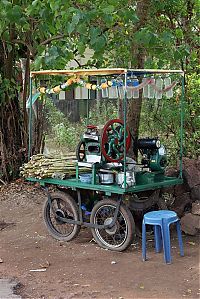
x,y
182,112
30,121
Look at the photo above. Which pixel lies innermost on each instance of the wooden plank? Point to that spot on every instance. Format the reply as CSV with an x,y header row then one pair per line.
x,y
103,72
80,72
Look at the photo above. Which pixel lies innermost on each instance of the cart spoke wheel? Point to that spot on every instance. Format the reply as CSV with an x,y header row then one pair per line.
x,y
120,235
62,205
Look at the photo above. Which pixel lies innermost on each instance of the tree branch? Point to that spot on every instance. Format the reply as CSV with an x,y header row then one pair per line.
x,y
20,41
49,40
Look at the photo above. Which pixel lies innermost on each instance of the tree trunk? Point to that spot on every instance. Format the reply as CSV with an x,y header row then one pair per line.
x,y
134,106
11,149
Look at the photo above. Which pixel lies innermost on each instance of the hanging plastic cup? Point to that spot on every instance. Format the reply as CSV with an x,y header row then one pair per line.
x,y
104,90
145,88
135,83
167,82
129,89
151,90
113,92
159,87
120,85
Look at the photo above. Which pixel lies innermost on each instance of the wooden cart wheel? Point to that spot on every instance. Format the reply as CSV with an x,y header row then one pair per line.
x,y
118,237
63,205
112,145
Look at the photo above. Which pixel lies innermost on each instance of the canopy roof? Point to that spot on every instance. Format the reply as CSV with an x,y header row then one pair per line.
x,y
104,72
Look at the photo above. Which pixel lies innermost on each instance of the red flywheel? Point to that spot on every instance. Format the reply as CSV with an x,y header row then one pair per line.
x,y
112,144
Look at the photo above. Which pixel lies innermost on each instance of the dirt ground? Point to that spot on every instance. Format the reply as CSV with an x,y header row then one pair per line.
x,y
81,269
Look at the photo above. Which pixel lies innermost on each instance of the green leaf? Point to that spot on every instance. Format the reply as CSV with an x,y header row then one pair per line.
x,y
76,18
94,33
81,48
108,9
167,37
82,28
14,14
70,28
179,33
99,44
9,47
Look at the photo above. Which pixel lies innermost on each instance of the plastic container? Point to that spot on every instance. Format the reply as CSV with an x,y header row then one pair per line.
x,y
86,178
159,85
145,88
167,82
120,85
104,91
113,92
129,89
106,178
135,83
130,179
151,90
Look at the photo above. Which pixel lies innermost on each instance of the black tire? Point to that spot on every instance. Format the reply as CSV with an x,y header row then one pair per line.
x,y
143,206
120,236
65,206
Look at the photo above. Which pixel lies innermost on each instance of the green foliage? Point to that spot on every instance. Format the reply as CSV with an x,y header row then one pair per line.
x,y
162,118
60,132
56,32
64,135
103,111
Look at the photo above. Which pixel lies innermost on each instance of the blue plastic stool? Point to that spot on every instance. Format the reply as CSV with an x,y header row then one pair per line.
x,y
161,221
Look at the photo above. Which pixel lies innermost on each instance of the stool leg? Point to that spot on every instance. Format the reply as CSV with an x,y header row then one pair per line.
x,y
157,238
166,242
143,241
180,241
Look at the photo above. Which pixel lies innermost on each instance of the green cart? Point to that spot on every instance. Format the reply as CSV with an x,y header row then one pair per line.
x,y
106,197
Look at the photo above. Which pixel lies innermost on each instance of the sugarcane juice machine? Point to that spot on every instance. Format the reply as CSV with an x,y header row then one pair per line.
x,y
107,149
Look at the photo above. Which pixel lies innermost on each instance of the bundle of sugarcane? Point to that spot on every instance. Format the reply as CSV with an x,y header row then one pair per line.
x,y
41,166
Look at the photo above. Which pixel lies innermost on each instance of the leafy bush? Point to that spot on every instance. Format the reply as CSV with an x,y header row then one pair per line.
x,y
63,135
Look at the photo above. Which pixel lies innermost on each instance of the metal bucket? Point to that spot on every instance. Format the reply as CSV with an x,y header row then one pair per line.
x,y
130,178
106,178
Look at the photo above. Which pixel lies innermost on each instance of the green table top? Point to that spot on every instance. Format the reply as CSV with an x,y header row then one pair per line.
x,y
73,183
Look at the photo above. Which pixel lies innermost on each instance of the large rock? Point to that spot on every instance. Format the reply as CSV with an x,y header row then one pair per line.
x,y
196,207
172,172
180,203
169,190
198,162
195,193
180,189
190,224
191,172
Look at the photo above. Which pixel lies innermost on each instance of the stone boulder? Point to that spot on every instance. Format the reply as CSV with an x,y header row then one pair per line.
x,y
180,189
195,193
191,172
196,208
190,224
180,203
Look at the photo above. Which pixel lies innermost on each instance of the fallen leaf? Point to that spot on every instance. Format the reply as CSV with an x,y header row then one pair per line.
x,y
46,264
